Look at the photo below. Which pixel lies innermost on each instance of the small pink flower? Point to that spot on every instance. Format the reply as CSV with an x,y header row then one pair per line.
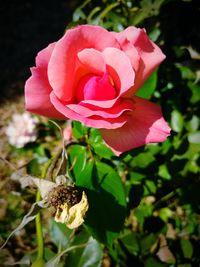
x,y
21,130
91,75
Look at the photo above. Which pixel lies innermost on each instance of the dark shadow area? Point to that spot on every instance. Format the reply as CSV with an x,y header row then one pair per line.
x,y
153,224
180,24
26,28
102,215
135,195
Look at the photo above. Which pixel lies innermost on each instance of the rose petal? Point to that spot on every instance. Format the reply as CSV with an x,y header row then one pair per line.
x,y
129,49
120,70
94,121
64,61
150,54
93,60
118,62
145,125
114,112
37,87
92,87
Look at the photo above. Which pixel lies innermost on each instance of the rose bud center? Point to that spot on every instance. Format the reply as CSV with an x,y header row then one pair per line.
x,y
92,87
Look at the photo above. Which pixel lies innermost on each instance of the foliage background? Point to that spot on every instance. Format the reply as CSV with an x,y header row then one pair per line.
x,y
155,188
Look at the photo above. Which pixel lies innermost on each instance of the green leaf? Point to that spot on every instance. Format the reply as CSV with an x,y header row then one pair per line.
x,y
147,243
107,202
85,176
78,129
89,256
194,137
148,87
195,90
136,177
163,172
150,187
143,160
154,34
97,143
92,255
59,234
33,167
130,241
142,212
78,13
187,248
78,158
165,214
186,72
177,121
193,124
151,262
103,151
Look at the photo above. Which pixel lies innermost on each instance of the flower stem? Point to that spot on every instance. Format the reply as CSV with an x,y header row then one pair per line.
x,y
38,224
39,233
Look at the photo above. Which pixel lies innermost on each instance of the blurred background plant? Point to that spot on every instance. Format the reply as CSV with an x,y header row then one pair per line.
x,y
154,189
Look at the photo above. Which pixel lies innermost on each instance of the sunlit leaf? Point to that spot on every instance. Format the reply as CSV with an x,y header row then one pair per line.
x,y
193,124
97,143
177,121
78,129
163,172
194,137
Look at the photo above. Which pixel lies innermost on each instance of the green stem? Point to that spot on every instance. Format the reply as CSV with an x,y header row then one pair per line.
x,y
38,224
39,233
165,198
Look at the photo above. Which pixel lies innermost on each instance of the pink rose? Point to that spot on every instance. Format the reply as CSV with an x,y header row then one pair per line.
x,y
91,75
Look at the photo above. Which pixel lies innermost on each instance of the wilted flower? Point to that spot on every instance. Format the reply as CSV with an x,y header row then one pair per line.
x,y
72,215
21,130
70,204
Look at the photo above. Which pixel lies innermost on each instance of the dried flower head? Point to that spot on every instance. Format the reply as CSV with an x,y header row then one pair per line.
x,y
69,202
72,216
64,194
22,129
70,205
